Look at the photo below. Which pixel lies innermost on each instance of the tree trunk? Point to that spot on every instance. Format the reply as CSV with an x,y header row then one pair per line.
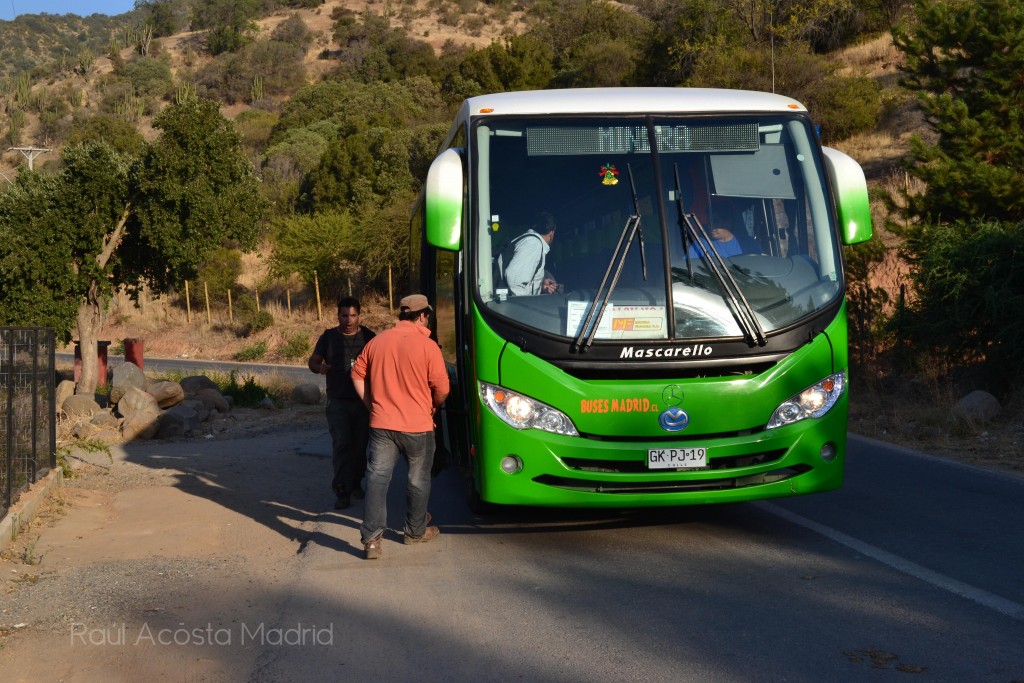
x,y
88,336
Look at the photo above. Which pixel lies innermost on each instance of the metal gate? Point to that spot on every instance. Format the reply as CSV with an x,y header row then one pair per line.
x,y
28,429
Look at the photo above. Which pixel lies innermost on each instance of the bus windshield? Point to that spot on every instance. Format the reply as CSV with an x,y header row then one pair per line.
x,y
588,227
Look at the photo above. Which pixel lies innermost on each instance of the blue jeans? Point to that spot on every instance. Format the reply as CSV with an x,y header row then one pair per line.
x,y
385,446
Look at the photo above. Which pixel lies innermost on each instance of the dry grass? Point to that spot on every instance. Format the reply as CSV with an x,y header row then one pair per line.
x,y
163,324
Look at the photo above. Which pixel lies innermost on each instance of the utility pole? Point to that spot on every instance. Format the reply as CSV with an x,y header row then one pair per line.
x,y
29,153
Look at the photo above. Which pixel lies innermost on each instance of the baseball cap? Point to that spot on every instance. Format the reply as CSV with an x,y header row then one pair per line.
x,y
414,303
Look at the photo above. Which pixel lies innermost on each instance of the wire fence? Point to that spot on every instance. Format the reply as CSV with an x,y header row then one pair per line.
x,y
28,415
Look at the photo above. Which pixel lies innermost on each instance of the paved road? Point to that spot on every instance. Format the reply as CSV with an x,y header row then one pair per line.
x,y
910,572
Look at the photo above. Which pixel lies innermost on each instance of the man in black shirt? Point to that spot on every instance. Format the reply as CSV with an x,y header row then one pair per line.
x,y
334,355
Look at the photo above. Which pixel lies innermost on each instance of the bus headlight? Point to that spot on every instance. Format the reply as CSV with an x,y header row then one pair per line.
x,y
814,401
522,412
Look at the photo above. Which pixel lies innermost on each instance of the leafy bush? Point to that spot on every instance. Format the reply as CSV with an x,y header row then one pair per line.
x,y
970,290
259,321
250,353
221,271
296,346
248,394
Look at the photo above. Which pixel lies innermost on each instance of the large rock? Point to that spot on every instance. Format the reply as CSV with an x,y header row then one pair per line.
x,y
201,411
193,384
978,406
104,420
178,421
142,423
308,394
214,400
77,406
64,389
166,393
136,400
125,376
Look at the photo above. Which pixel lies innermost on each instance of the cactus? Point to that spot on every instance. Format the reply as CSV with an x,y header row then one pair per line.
x,y
143,39
129,108
257,88
23,88
186,92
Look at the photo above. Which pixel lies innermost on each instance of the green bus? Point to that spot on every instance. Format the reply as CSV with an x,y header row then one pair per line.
x,y
681,336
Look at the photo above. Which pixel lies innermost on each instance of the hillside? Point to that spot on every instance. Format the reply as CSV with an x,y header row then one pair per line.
x,y
68,55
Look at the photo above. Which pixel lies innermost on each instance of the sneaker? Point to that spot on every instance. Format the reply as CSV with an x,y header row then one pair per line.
x,y
429,534
359,494
342,502
373,549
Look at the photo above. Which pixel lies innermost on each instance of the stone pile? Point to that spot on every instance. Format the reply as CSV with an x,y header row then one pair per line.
x,y
143,408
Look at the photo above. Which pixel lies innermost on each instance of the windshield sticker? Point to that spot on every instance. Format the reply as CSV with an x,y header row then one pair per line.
x,y
620,322
618,405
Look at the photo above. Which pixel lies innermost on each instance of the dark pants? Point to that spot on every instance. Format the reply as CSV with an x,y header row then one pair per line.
x,y
349,422
386,446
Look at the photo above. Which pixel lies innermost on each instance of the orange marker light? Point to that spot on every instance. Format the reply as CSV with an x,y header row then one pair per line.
x,y
486,110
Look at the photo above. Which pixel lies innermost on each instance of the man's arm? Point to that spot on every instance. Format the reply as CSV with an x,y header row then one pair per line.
x,y
317,364
364,395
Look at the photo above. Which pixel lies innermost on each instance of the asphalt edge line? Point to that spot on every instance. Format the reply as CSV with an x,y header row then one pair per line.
x,y
1005,607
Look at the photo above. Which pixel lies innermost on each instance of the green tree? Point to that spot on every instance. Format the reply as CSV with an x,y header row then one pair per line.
x,y
105,220
595,42
229,22
119,134
166,17
970,295
320,243
964,60
149,76
81,218
196,190
34,264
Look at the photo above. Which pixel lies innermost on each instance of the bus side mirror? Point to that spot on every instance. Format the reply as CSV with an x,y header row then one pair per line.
x,y
850,190
443,200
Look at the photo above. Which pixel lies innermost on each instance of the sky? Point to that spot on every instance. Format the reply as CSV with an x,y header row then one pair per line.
x,y
10,8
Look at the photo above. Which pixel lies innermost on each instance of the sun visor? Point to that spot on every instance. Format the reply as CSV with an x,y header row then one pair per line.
x,y
763,174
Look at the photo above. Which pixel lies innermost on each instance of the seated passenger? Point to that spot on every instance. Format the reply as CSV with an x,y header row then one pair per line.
x,y
525,271
725,243
726,223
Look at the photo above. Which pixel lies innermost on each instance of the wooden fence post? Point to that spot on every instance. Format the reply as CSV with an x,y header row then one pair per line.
x,y
231,311
206,295
188,305
316,285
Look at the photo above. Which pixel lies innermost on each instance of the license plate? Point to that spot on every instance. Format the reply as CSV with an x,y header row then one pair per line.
x,y
676,458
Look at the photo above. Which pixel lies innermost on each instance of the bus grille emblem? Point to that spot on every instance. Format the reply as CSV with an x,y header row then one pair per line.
x,y
674,419
672,395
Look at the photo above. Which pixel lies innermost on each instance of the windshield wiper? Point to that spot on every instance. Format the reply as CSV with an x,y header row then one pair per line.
x,y
630,231
694,232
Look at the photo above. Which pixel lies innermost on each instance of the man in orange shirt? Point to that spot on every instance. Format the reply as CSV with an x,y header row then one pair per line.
x,y
401,377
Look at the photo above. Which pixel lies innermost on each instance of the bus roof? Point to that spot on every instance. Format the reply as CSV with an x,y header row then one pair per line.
x,y
627,100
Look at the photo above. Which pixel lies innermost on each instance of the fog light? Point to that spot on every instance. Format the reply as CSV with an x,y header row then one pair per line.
x,y
828,452
511,464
